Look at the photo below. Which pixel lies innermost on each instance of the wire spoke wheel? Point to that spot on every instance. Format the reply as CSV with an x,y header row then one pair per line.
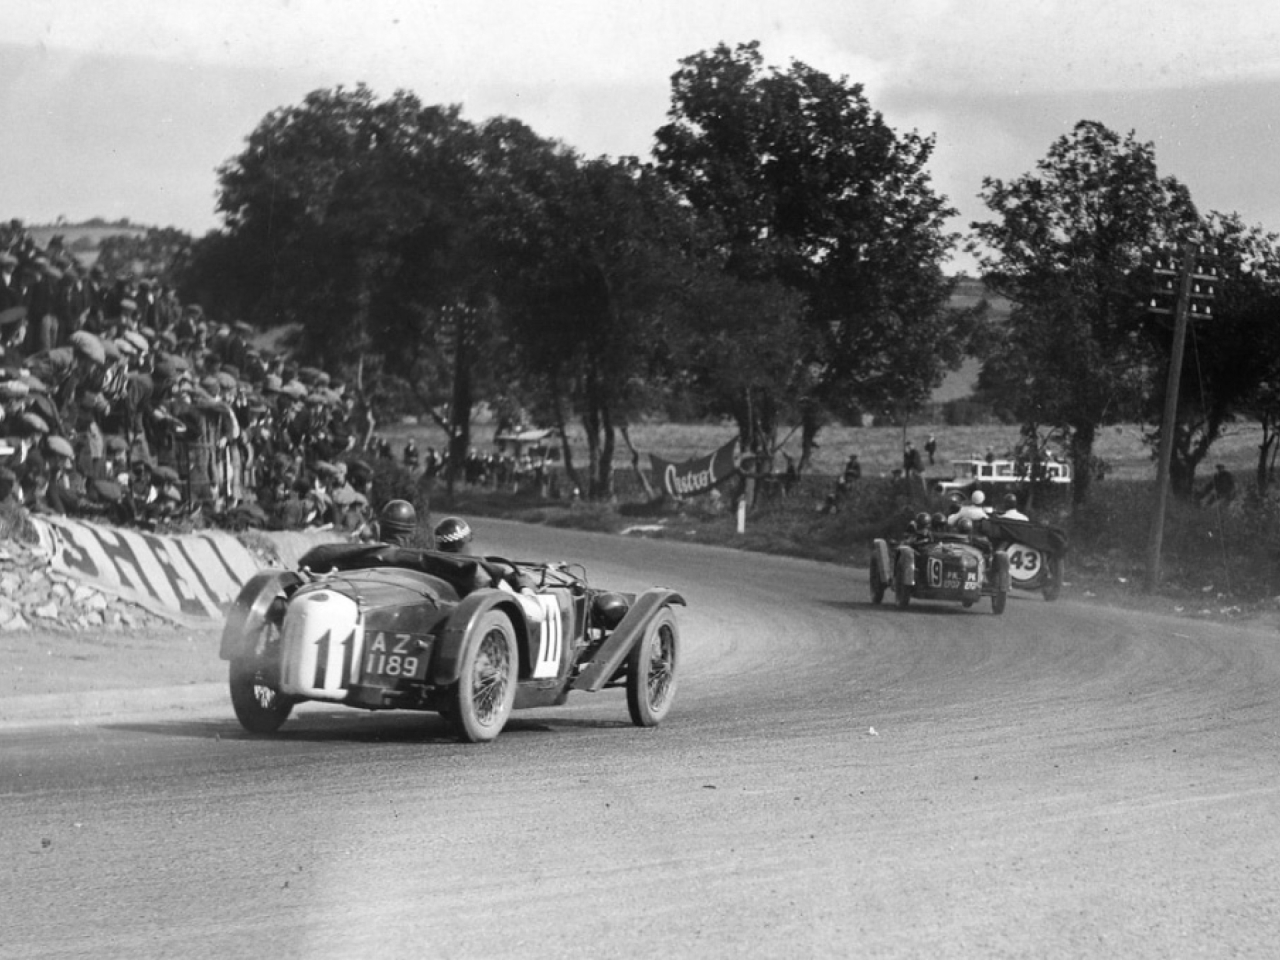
x,y
486,688
651,670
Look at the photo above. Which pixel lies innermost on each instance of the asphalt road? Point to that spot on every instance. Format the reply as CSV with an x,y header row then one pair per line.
x,y
835,780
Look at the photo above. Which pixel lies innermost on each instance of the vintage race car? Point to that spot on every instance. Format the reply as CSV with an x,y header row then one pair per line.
x,y
383,627
1037,553
940,566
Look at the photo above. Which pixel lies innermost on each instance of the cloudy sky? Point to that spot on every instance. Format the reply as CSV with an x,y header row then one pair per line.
x,y
125,107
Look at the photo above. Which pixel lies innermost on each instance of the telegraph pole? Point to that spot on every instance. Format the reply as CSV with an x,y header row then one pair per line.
x,y
1190,281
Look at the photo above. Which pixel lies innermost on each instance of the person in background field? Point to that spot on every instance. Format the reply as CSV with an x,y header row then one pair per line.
x,y
852,469
1221,489
931,448
972,511
1009,508
911,462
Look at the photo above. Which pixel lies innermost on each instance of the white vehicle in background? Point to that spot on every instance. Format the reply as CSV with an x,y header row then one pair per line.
x,y
996,476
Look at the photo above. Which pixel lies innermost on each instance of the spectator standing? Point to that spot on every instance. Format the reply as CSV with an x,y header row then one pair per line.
x,y
931,448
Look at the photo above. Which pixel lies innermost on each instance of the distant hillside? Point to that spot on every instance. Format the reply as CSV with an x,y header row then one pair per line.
x,y
84,239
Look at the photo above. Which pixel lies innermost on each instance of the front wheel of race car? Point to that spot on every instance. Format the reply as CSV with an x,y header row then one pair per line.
x,y
486,689
901,590
651,670
259,705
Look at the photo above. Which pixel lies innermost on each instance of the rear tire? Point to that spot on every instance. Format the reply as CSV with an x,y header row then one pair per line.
x,y
486,688
651,670
997,602
877,583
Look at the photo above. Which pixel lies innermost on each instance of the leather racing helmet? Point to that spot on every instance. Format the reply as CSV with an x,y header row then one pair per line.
x,y
397,521
1010,502
452,535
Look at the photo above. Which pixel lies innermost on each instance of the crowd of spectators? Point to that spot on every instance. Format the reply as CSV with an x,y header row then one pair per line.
x,y
120,402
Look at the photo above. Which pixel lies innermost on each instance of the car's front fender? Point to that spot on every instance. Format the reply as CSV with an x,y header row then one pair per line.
x,y
240,632
628,632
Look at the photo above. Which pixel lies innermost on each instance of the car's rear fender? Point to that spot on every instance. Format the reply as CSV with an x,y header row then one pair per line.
x,y
446,663
906,560
880,557
240,633
1001,577
625,636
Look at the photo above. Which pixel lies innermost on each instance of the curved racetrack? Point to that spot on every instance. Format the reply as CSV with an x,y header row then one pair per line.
x,y
835,779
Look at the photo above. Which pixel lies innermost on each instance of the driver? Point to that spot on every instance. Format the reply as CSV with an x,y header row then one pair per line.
x,y
397,523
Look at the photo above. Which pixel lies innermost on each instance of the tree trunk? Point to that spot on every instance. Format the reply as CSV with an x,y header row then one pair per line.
x,y
1080,453
1266,455
635,465
810,424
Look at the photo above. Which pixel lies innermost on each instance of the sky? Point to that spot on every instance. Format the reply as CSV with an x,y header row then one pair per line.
x,y
125,108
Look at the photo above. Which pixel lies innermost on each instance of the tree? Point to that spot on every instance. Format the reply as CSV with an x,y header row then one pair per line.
x,y
1067,248
593,254
815,191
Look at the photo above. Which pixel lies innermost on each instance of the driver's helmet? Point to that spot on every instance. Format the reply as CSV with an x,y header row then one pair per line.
x,y
452,535
921,522
397,521
978,498
938,521
1010,502
964,525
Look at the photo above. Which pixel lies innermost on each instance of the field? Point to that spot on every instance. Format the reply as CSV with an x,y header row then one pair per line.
x,y
879,448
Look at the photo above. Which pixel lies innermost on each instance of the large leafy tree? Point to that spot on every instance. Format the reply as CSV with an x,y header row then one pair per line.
x,y
356,218
1231,365
1068,246
592,254
815,191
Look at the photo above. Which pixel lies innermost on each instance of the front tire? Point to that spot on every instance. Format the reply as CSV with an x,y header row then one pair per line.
x,y
486,689
651,670
997,602
256,698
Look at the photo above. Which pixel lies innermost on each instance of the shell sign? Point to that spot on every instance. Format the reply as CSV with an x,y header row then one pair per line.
x,y
186,577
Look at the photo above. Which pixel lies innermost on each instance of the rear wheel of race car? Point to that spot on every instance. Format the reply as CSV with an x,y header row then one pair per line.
x,y
1053,581
997,602
259,705
486,687
651,670
901,591
877,583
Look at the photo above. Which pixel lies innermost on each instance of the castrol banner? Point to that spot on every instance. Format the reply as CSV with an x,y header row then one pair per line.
x,y
187,577
699,475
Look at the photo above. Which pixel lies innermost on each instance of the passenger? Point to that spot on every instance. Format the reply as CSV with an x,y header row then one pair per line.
x,y
453,535
1009,509
973,510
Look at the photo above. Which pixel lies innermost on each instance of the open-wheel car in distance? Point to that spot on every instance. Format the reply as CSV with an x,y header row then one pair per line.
x,y
382,627
933,564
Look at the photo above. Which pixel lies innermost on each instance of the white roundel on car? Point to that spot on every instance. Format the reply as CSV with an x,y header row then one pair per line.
x,y
1025,563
